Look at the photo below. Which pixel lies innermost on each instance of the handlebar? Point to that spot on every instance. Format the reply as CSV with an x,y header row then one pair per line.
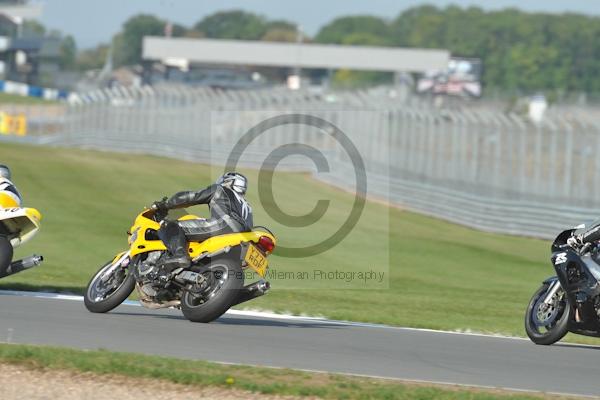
x,y
584,249
154,214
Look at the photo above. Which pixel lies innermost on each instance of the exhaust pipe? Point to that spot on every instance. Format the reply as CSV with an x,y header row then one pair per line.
x,y
22,265
252,291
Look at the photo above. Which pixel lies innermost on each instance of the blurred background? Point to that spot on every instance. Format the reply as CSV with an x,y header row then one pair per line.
x,y
495,52
488,116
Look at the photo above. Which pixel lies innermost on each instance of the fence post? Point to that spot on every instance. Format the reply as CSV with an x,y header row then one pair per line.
x,y
568,167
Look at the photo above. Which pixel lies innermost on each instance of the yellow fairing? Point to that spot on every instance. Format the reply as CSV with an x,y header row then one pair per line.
x,y
21,223
219,242
141,245
34,214
138,232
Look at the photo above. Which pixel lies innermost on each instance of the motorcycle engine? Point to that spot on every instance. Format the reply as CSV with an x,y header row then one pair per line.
x,y
147,270
150,277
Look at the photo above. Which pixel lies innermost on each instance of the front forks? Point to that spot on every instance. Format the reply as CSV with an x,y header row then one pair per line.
x,y
551,292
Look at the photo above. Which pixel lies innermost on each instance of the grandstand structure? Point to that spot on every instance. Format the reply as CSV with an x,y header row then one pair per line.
x,y
25,58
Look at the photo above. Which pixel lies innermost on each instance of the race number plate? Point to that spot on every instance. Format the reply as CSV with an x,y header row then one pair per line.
x,y
255,260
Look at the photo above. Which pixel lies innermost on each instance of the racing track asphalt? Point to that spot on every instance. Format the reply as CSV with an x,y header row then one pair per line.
x,y
309,344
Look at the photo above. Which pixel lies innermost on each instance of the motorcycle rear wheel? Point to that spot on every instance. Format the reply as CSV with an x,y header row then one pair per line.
x,y
98,301
6,254
558,324
226,279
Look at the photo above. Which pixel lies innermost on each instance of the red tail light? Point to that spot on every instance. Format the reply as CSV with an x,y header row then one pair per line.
x,y
266,243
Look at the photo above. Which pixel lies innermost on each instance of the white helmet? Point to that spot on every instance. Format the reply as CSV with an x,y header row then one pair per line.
x,y
4,172
234,181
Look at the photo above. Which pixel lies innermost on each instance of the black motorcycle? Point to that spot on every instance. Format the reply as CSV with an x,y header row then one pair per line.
x,y
569,301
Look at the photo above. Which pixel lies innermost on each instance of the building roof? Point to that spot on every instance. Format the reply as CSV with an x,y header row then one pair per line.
x,y
24,11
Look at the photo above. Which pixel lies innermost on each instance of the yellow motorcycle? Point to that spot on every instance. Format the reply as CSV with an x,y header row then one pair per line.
x,y
206,290
17,226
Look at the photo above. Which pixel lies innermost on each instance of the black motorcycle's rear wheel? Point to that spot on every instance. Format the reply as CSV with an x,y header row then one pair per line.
x,y
108,290
6,254
210,300
547,324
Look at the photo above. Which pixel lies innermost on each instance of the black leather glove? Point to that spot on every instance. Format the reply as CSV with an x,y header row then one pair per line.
x,y
160,207
575,241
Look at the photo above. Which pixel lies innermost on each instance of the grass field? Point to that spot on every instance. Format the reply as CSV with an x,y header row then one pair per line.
x,y
442,276
6,98
255,379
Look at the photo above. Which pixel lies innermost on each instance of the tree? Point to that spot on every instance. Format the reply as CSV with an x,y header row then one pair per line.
x,y
33,28
339,29
404,26
68,52
178,30
92,58
281,24
280,35
128,43
520,50
235,24
353,79
282,31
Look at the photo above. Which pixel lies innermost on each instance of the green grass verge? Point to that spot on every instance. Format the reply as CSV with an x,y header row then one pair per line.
x,y
442,276
6,98
255,379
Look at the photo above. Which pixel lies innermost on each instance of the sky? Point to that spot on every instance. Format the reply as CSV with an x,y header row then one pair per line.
x,y
95,21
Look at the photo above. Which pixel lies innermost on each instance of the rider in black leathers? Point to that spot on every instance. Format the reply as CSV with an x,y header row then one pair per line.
x,y
229,211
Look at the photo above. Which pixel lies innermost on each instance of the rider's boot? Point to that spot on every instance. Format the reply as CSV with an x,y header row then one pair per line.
x,y
174,238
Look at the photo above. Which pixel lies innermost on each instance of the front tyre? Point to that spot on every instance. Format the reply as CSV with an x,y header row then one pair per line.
x,y
210,299
110,287
546,324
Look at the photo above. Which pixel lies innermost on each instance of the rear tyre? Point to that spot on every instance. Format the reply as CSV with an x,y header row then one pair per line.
x,y
108,290
547,324
6,255
208,301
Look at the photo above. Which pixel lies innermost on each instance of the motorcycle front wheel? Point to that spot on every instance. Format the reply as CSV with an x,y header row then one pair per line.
x,y
109,287
546,324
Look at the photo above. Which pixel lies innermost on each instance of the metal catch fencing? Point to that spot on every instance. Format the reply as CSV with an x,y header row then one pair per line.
x,y
479,167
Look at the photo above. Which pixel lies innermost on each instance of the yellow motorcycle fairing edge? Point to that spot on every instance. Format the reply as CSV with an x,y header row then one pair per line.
x,y
34,215
22,225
